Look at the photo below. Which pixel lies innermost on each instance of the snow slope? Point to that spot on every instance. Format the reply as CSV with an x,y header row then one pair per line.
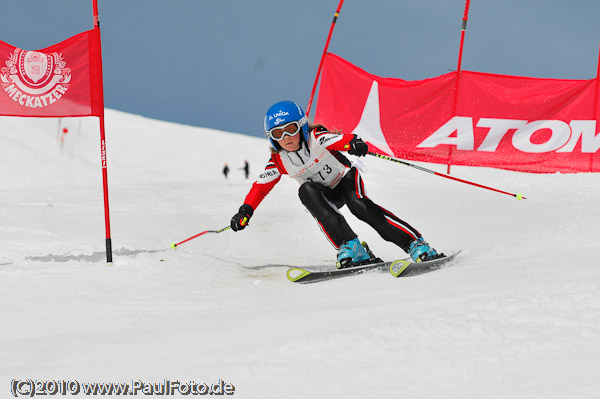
x,y
517,317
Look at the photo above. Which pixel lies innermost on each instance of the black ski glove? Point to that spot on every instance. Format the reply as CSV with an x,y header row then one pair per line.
x,y
240,220
358,147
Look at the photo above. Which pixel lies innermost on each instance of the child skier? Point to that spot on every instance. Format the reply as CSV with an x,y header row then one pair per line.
x,y
328,181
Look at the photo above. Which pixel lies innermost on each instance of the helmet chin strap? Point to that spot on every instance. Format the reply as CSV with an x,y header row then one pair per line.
x,y
275,145
303,142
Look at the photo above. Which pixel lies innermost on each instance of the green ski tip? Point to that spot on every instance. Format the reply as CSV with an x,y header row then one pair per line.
x,y
296,273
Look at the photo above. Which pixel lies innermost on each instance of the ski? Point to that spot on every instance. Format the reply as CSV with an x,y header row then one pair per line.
x,y
398,268
405,268
300,275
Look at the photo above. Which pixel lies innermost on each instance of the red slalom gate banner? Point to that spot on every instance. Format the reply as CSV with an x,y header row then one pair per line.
x,y
466,118
62,80
58,81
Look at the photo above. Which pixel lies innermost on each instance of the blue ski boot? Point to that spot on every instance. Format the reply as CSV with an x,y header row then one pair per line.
x,y
420,251
351,253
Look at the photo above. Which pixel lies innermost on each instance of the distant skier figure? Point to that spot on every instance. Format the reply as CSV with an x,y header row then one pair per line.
x,y
328,181
226,170
246,169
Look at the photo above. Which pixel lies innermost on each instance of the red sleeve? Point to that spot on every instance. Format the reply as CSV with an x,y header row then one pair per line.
x,y
259,191
335,141
265,182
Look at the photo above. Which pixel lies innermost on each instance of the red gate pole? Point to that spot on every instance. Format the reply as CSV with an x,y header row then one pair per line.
x,y
458,67
462,34
103,146
312,94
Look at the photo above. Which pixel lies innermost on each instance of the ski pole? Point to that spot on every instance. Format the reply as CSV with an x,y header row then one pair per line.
x,y
388,158
175,245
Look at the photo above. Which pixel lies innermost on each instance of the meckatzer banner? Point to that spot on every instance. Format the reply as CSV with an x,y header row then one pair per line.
x,y
61,80
467,118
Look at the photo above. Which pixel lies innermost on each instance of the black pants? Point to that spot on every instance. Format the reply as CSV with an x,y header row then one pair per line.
x,y
323,203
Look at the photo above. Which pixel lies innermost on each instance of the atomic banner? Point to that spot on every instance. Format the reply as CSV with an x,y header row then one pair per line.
x,y
58,81
467,118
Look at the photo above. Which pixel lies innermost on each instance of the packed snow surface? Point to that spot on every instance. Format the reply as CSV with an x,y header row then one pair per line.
x,y
517,316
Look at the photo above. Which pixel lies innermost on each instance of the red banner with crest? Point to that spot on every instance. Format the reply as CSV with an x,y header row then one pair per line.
x,y
467,118
58,81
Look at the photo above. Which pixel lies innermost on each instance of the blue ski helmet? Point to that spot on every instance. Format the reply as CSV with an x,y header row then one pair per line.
x,y
284,112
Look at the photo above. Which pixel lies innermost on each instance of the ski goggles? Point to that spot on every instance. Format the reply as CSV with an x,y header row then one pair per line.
x,y
279,132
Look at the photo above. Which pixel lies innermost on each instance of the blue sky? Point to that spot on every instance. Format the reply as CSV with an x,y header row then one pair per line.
x,y
221,64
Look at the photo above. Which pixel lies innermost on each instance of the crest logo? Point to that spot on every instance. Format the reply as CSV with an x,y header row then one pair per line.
x,y
34,79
